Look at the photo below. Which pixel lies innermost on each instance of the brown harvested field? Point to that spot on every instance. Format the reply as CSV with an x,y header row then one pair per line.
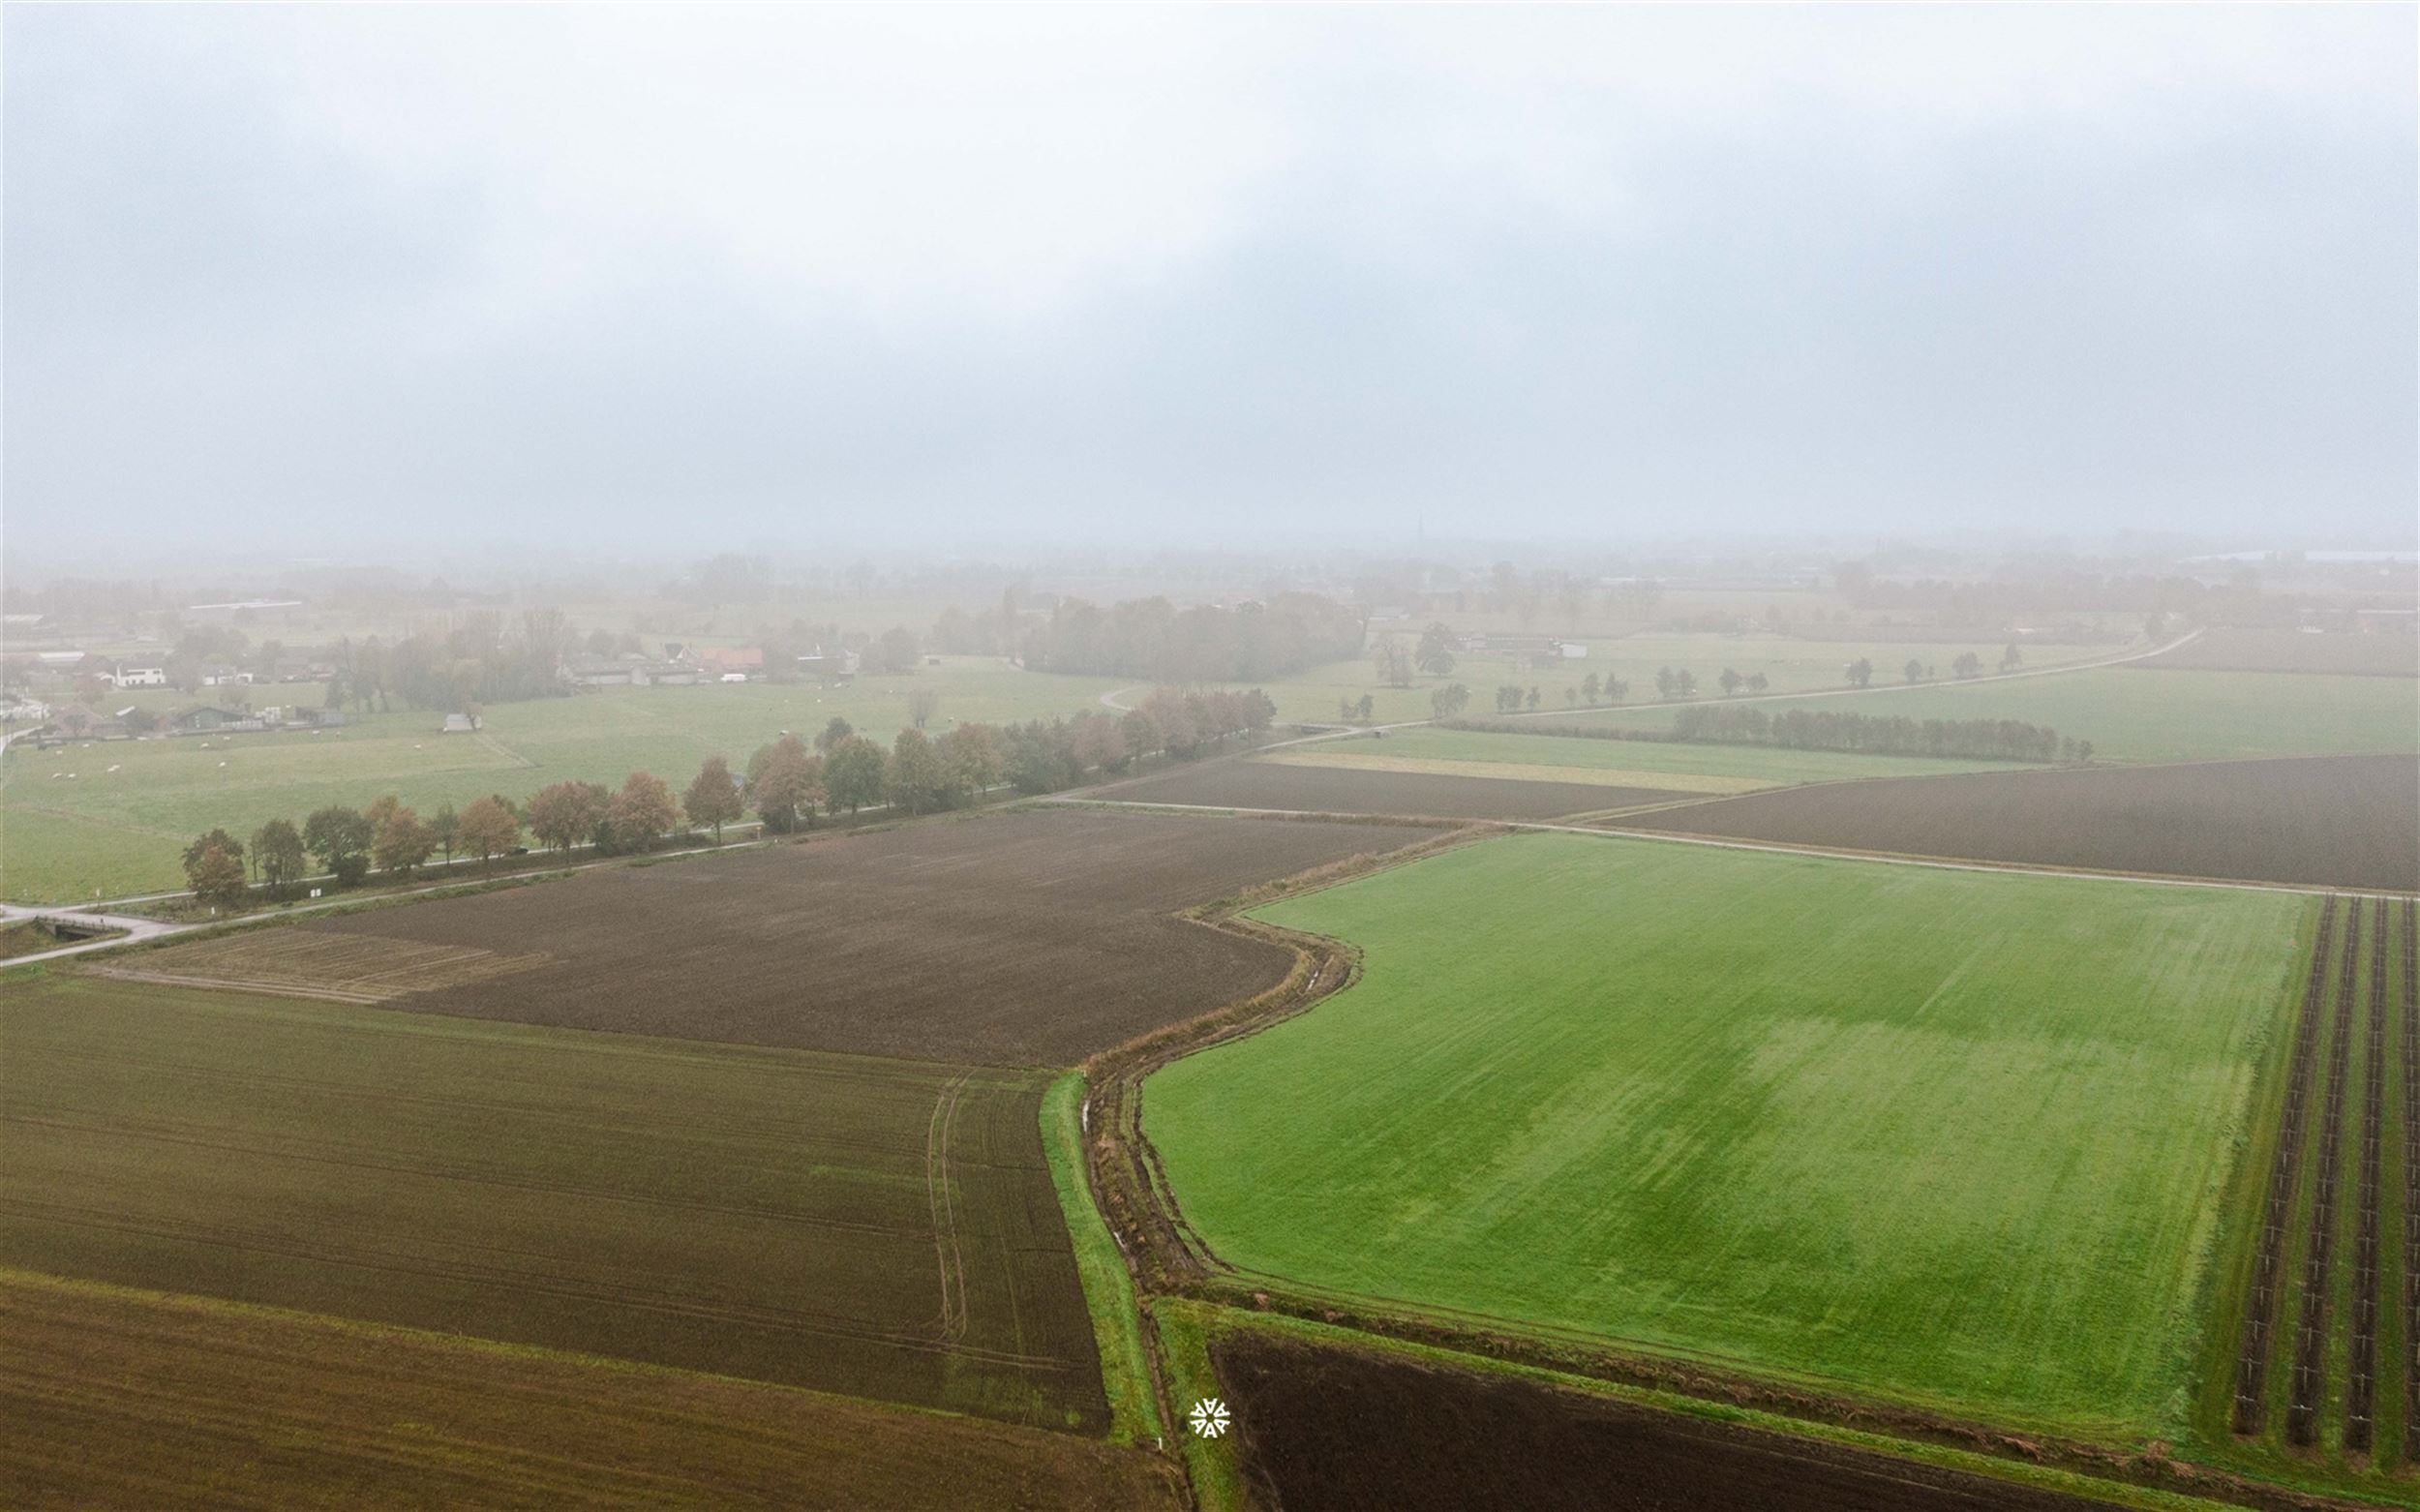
x,y
882,1228
1024,938
1339,1430
2291,650
2321,821
233,1407
1333,790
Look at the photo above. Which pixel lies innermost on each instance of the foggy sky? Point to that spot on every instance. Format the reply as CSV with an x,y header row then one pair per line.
x,y
704,277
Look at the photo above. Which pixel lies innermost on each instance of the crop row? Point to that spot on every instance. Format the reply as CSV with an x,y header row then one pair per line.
x,y
2338,961
2310,1377
2252,1360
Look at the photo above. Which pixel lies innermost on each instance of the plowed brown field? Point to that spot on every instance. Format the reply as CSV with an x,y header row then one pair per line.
x,y
1021,938
1325,1429
2322,821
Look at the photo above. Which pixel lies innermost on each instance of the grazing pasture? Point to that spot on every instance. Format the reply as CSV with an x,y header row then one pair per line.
x,y
341,1414
1340,1429
1955,1140
1028,938
2131,717
122,831
884,1228
2322,821
1260,783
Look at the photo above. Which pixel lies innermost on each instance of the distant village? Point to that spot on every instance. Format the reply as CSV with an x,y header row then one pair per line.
x,y
49,697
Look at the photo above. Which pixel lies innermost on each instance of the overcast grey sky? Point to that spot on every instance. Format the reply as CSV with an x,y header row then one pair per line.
x,y
948,274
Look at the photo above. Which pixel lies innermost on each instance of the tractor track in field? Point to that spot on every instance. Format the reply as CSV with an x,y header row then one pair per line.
x,y
2362,1367
2251,1362
946,1245
2309,1383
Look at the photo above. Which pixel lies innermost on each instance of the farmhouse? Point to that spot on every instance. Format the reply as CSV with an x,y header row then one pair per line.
x,y
835,666
720,661
208,719
458,724
141,673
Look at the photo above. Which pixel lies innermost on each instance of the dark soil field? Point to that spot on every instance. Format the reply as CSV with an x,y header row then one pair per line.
x,y
117,1399
1334,1430
882,1229
1031,938
2291,650
2322,821
1335,790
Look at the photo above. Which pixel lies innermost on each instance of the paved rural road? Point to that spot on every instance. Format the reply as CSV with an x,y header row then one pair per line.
x,y
1112,699
136,929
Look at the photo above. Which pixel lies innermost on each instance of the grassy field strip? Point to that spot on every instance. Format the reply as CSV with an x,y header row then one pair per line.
x,y
1926,862
754,1213
1755,1134
1108,1288
1514,772
237,1406
1207,1322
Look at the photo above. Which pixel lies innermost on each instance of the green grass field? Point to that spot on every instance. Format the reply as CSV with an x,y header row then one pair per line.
x,y
2136,715
1951,1138
1760,766
115,834
879,1228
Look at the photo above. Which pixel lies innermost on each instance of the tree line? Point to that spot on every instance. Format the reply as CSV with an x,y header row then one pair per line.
x,y
786,784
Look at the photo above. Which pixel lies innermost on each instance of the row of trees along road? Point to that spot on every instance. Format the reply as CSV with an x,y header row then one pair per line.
x,y
787,782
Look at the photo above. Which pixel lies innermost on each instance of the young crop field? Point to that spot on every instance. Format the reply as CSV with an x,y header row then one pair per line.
x,y
1261,783
339,1413
882,1228
1788,664
1653,764
2134,715
1951,1140
1025,938
2311,1372
2324,820
119,823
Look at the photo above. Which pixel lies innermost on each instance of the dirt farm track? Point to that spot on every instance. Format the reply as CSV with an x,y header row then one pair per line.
x,y
1016,938
2314,821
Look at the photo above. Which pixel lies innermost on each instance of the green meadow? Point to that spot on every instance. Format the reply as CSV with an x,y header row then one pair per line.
x,y
1949,1138
111,834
